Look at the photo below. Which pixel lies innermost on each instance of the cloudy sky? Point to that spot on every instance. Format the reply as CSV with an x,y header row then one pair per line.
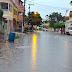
x,y
46,7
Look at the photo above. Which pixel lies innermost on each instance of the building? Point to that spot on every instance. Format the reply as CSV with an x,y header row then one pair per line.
x,y
15,15
20,14
8,7
68,18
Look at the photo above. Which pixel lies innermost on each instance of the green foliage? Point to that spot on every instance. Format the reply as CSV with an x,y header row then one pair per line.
x,y
1,13
17,37
26,18
52,23
55,17
27,28
71,2
64,19
59,25
35,19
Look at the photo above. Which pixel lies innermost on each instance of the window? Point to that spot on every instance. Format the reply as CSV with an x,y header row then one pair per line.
x,y
20,13
10,7
4,6
20,2
70,28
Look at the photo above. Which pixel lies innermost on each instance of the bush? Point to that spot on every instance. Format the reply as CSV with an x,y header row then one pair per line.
x,y
59,25
17,37
71,2
1,13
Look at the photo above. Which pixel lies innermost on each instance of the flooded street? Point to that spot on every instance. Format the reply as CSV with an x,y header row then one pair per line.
x,y
37,52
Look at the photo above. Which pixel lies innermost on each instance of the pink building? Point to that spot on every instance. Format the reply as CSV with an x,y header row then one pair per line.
x,y
20,13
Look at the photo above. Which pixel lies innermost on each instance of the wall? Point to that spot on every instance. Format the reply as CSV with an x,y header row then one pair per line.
x,y
8,15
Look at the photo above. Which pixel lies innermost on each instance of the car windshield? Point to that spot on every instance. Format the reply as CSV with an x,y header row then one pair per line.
x,y
70,28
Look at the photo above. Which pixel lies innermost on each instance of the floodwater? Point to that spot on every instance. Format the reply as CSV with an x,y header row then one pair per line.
x,y
37,52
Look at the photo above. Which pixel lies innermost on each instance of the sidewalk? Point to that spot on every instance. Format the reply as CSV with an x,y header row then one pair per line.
x,y
4,38
19,34
51,30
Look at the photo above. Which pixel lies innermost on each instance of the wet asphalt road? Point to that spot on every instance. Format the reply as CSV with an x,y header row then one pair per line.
x,y
37,52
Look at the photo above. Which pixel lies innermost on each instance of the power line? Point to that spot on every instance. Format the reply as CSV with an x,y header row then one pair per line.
x,y
47,11
29,13
48,8
59,9
51,6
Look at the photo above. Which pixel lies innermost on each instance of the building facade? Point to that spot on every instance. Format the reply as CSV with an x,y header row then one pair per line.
x,y
20,14
15,14
8,7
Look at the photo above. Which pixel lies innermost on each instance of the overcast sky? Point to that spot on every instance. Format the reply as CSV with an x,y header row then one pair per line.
x,y
46,7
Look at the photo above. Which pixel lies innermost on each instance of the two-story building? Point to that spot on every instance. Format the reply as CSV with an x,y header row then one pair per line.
x,y
20,14
9,7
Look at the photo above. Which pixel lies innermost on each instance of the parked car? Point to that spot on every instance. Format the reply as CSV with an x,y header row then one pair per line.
x,y
44,29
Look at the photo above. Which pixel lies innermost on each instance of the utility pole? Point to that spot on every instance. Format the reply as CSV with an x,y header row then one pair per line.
x,y
29,13
23,17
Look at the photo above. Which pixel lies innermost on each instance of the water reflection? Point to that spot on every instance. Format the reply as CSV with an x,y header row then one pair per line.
x,y
66,50
34,51
6,53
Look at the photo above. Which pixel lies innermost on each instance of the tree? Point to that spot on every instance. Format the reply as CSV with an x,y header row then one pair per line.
x,y
71,2
1,14
35,19
60,25
64,19
26,19
55,17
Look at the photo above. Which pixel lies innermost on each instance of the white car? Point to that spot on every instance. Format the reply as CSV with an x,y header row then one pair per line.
x,y
70,30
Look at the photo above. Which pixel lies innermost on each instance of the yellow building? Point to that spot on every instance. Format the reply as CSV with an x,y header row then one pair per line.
x,y
15,14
